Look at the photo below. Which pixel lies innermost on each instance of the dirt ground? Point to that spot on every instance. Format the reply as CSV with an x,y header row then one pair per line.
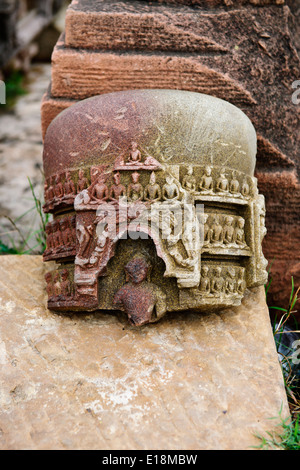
x,y
21,156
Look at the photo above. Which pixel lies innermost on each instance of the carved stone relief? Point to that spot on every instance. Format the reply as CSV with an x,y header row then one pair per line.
x,y
60,288
143,301
140,195
60,238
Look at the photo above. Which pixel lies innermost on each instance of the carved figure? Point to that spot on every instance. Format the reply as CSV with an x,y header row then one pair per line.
x,y
57,237
84,236
228,231
241,283
65,285
230,284
102,233
234,185
99,192
117,190
69,186
152,191
143,301
218,283
82,182
174,251
135,156
66,232
170,191
49,239
205,281
222,185
59,190
206,230
206,185
189,181
216,231
135,190
245,189
239,233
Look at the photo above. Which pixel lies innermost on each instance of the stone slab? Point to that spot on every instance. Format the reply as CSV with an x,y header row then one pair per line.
x,y
116,25
148,26
105,72
86,381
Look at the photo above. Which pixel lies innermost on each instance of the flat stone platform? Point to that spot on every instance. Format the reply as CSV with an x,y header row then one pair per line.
x,y
92,381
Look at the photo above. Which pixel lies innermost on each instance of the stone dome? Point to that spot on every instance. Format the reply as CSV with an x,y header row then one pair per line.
x,y
172,126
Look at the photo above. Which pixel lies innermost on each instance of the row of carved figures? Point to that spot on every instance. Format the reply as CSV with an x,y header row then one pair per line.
x,y
217,280
61,187
233,184
99,191
218,230
225,230
61,235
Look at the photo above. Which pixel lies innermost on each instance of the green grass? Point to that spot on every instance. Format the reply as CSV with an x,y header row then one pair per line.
x,y
287,437
14,85
6,250
288,315
21,243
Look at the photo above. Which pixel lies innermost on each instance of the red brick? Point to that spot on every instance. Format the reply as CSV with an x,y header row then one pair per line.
x,y
102,72
139,26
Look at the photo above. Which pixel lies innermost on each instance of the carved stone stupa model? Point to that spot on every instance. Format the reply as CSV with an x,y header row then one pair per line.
x,y
155,206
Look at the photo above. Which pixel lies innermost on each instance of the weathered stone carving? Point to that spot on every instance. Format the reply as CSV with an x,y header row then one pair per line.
x,y
189,181
60,238
202,216
135,190
69,186
59,288
117,190
235,185
152,191
135,161
170,190
82,182
222,185
143,301
206,183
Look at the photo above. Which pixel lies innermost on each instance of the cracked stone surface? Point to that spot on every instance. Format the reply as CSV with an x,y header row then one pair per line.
x,y
192,381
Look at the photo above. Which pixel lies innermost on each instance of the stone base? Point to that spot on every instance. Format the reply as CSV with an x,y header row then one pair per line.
x,y
191,381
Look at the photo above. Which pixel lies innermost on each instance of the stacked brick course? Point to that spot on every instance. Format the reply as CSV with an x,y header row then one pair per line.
x,y
242,51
